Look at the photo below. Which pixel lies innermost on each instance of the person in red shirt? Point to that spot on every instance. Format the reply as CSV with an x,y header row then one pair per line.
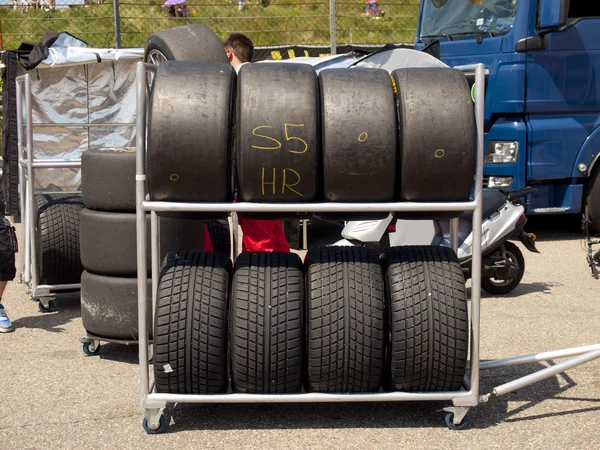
x,y
259,235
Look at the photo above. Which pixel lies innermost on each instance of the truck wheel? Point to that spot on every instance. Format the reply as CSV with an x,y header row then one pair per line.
x,y
190,324
266,324
437,135
189,132
498,286
428,320
277,146
109,306
593,201
59,259
345,325
220,235
194,42
108,180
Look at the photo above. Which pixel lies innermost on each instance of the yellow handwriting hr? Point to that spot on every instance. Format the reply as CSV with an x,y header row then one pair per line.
x,y
285,183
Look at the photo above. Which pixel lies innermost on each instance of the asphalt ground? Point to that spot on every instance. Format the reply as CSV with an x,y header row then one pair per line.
x,y
53,396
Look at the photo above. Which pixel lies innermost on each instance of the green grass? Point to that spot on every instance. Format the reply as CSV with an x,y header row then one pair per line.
x,y
284,22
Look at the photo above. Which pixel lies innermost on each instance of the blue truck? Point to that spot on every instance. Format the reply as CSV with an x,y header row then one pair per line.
x,y
542,108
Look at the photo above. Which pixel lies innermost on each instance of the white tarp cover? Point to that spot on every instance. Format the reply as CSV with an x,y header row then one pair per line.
x,y
71,89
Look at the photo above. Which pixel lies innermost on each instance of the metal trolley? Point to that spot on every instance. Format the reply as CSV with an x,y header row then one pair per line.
x,y
27,163
43,293
462,401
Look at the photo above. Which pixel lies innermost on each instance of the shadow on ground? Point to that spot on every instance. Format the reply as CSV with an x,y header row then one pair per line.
x,y
68,307
384,415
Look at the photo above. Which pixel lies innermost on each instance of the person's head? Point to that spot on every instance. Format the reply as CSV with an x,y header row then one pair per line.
x,y
239,49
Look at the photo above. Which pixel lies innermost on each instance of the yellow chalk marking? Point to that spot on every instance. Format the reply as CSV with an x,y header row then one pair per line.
x,y
362,137
272,183
439,153
292,138
174,177
285,185
254,133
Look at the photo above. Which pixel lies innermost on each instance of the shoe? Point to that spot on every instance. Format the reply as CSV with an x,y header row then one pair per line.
x,y
5,325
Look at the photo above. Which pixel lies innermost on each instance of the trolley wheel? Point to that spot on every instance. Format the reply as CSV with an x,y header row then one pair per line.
x,y
162,426
46,309
450,422
90,350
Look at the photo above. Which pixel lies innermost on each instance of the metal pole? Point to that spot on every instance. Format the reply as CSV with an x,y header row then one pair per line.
x,y
476,269
155,254
538,357
31,189
454,234
332,28
545,373
117,25
21,173
140,193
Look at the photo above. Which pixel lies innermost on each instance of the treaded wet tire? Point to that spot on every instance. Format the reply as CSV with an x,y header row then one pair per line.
x,y
266,324
437,135
359,148
194,42
345,325
428,320
58,255
220,235
108,180
109,306
190,326
278,145
109,240
189,132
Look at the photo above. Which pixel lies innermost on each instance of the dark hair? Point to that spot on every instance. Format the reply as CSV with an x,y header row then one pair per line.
x,y
241,45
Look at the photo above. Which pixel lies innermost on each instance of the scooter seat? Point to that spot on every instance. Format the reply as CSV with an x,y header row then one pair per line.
x,y
493,199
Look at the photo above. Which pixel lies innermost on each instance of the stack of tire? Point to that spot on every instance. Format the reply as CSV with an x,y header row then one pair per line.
x,y
324,326
108,244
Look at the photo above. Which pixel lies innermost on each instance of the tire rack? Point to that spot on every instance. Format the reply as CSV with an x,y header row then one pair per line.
x,y
153,403
27,165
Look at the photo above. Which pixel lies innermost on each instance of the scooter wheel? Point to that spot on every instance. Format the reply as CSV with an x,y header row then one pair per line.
x,y
497,286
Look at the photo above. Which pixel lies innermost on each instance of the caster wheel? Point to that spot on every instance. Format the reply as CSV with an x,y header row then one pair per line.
x,y
46,309
162,426
87,349
461,426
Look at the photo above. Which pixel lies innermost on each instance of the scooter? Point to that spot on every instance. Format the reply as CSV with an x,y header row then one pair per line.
x,y
503,220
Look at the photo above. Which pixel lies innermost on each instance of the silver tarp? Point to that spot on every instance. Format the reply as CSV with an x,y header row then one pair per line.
x,y
81,104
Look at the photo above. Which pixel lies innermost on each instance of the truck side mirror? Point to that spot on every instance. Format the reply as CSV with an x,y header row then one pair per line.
x,y
553,14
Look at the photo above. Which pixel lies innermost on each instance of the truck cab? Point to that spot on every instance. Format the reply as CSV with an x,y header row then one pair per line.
x,y
542,108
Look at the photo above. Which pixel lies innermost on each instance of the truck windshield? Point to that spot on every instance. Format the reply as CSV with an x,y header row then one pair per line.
x,y
447,18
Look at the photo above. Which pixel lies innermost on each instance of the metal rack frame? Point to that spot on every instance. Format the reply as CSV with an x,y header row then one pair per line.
x,y
27,164
153,404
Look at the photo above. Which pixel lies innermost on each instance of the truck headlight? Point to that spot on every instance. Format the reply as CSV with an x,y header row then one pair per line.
x,y
498,182
499,152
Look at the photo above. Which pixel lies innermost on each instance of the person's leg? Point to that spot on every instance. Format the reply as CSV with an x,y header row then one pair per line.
x,y
5,325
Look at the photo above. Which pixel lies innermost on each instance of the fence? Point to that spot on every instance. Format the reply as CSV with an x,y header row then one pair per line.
x,y
266,22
